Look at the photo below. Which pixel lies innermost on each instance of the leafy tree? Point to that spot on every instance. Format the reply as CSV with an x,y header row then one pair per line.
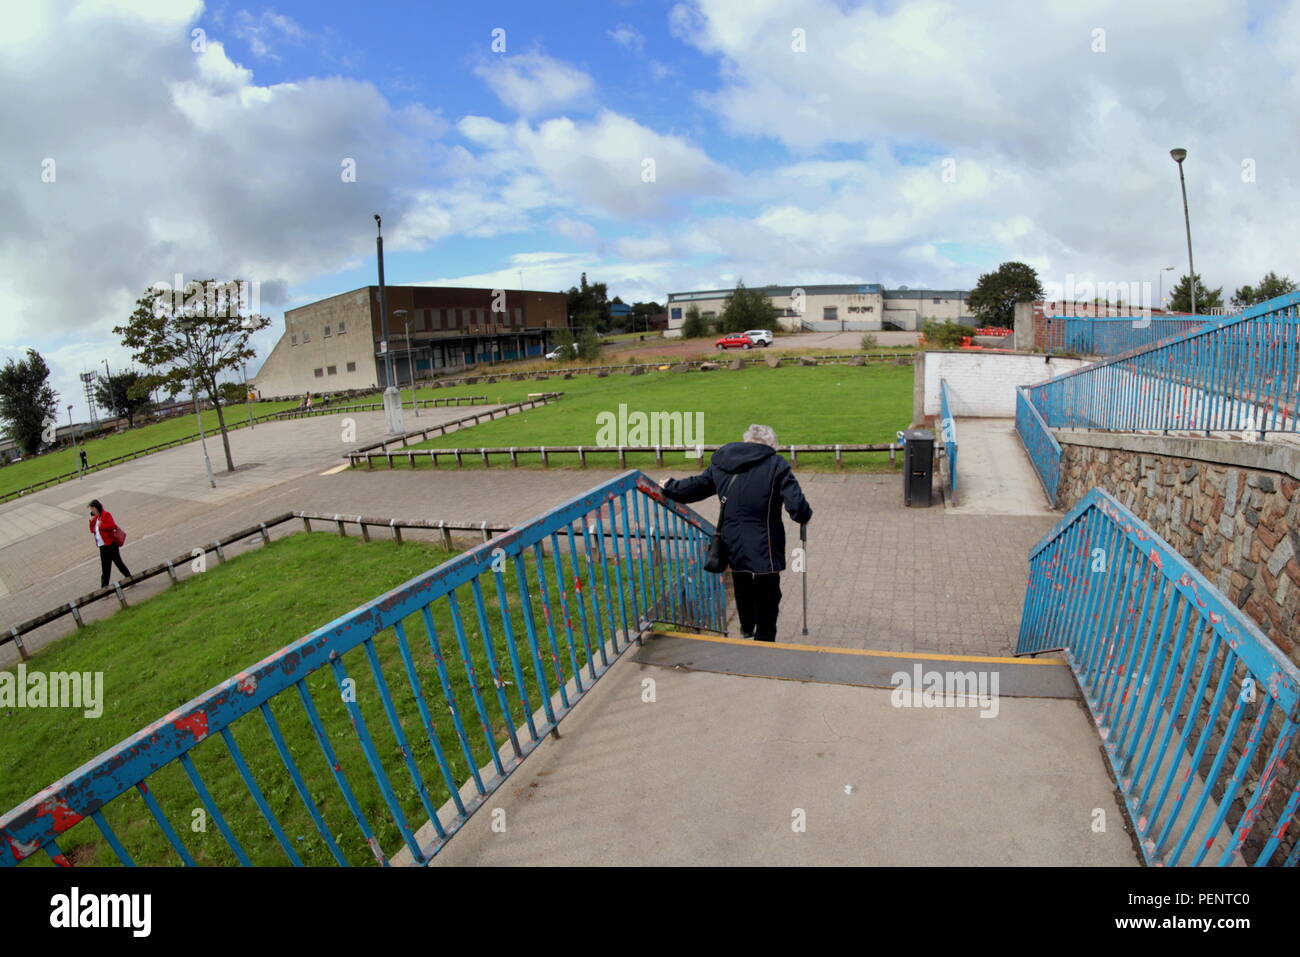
x,y
588,303
996,293
123,394
187,338
28,405
642,312
589,343
746,308
1271,286
564,342
695,325
1181,300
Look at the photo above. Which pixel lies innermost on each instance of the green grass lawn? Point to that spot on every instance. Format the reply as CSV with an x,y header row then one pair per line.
x,y
806,405
30,471
161,653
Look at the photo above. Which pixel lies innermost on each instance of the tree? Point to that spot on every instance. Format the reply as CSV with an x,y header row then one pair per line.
x,y
1271,286
1181,300
187,338
123,394
28,405
589,343
746,308
564,343
995,296
695,325
588,303
642,312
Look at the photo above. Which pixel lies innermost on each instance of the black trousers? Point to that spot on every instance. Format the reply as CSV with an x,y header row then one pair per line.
x,y
110,555
758,602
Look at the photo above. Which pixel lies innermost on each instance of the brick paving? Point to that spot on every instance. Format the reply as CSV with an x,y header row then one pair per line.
x,y
880,575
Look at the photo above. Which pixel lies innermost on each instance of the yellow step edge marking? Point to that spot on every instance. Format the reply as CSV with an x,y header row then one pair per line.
x,y
823,649
335,470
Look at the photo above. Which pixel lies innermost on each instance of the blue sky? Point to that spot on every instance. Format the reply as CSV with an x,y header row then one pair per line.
x,y
792,142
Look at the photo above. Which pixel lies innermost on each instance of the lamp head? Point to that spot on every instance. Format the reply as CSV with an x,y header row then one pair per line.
x,y
1178,154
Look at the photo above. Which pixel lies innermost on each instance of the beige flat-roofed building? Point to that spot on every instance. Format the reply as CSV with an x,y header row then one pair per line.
x,y
337,344
864,307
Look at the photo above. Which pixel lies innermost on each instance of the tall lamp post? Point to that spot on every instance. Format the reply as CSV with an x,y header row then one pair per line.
x,y
1161,274
1179,155
392,398
410,362
72,429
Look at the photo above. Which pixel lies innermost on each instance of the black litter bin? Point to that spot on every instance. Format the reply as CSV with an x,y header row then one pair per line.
x,y
918,468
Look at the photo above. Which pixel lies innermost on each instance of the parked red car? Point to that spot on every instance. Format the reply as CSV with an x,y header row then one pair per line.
x,y
735,340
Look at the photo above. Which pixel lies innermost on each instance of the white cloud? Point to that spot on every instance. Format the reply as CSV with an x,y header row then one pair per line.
x,y
534,83
626,35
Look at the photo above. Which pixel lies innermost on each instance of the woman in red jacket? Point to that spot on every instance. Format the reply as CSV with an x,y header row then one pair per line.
x,y
109,537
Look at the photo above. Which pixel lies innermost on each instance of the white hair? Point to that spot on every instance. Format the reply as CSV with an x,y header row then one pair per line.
x,y
762,434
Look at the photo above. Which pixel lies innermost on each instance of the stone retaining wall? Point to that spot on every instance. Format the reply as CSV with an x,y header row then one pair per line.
x,y
1237,523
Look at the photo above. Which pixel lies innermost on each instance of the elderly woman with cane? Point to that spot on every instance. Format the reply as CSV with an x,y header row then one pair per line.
x,y
752,482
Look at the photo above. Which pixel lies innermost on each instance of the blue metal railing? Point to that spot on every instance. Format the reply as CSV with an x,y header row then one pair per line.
x,y
1114,335
1044,451
1196,708
949,435
407,723
1237,374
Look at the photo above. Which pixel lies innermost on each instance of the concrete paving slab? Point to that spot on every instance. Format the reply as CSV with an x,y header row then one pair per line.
x,y
994,474
727,770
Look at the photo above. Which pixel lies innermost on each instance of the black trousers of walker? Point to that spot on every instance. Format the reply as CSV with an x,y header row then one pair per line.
x,y
758,602
110,555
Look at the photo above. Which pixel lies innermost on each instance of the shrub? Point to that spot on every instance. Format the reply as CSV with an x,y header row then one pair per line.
x,y
869,342
944,335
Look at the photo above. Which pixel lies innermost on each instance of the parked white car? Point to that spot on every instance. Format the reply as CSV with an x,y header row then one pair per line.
x,y
558,351
760,337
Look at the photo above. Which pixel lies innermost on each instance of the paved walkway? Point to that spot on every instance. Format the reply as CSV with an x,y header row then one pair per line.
x,y
722,770
994,474
719,766
879,575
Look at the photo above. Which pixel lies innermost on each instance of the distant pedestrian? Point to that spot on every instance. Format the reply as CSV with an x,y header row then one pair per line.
x,y
306,402
753,482
110,538
84,463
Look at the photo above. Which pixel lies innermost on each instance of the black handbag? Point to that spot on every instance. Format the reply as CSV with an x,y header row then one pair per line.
x,y
716,561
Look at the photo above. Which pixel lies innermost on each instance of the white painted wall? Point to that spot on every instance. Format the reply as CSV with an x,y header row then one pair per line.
x,y
984,384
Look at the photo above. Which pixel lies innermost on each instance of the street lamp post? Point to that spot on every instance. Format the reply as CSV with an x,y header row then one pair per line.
x,y
72,429
410,362
392,398
1179,155
1160,304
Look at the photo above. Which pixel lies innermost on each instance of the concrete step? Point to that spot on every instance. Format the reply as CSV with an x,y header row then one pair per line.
x,y
977,678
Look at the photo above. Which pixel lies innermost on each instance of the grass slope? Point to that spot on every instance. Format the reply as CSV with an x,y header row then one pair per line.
x,y
160,654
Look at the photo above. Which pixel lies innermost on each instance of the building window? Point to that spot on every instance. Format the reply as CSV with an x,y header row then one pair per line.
x,y
293,340
352,367
306,336
343,327
327,332
320,373
677,313
333,370
831,313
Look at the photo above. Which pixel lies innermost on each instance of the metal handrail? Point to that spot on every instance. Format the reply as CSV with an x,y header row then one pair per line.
x,y
1196,708
577,619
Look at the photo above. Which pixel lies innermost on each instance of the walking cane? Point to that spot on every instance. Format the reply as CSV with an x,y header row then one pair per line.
x,y
803,537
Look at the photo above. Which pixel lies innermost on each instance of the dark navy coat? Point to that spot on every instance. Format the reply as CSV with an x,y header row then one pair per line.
x,y
756,482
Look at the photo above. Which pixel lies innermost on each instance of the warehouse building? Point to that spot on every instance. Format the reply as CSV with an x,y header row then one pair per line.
x,y
337,343
864,307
